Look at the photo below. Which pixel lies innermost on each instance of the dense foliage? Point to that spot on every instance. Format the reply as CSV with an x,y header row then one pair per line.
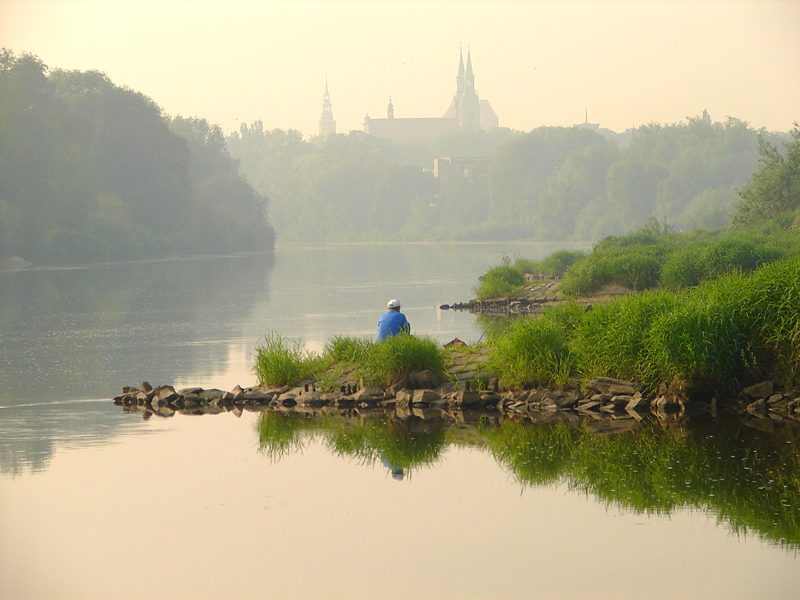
x,y
92,171
552,183
715,337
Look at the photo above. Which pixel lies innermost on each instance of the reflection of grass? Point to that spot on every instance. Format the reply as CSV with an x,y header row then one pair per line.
x,y
749,480
279,433
397,442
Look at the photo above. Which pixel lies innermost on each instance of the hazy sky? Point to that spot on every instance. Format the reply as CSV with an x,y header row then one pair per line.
x,y
537,63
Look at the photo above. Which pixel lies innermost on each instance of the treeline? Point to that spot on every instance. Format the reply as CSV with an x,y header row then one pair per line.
x,y
553,183
91,171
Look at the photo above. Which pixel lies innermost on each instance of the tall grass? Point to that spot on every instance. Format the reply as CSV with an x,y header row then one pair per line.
x,y
281,361
532,352
500,281
718,336
395,358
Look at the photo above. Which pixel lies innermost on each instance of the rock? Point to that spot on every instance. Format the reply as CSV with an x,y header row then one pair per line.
x,y
569,400
146,387
765,389
259,396
237,393
465,398
287,399
369,392
426,379
425,398
403,398
190,390
607,385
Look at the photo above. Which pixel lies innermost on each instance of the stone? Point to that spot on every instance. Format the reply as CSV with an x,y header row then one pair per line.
x,y
237,393
425,397
607,385
403,398
258,395
146,387
426,379
765,389
190,390
569,400
369,392
633,402
287,399
466,398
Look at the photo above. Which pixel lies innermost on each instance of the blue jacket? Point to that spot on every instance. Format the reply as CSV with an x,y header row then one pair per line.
x,y
392,323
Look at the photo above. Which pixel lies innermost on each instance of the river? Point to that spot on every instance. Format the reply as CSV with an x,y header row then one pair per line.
x,y
99,503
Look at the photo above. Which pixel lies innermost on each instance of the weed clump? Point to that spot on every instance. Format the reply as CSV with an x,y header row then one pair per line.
x,y
280,361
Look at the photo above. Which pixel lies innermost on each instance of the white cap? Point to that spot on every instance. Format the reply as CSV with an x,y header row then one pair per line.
x,y
394,303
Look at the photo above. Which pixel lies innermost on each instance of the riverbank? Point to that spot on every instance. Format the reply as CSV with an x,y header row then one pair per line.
x,y
603,404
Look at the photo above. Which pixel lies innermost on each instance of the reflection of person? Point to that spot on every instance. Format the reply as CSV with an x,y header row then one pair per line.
x,y
392,321
397,472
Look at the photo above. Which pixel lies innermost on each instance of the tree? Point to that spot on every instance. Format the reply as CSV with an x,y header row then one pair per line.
x,y
773,192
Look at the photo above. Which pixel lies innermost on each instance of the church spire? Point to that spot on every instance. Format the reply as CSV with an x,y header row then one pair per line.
x,y
327,126
469,78
460,77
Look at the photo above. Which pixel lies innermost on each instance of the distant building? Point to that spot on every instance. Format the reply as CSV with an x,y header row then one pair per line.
x,y
327,126
466,111
587,125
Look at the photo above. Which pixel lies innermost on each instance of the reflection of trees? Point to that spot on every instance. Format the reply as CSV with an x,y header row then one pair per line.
x,y
747,478
80,333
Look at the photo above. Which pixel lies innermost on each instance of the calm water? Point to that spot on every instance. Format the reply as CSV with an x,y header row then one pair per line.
x,y
97,503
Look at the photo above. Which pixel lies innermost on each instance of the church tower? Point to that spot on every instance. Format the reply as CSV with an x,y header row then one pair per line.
x,y
327,126
466,104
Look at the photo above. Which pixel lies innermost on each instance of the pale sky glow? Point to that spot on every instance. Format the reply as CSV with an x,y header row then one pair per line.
x,y
537,63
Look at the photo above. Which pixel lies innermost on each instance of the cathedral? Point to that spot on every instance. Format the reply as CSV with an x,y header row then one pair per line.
x,y
327,126
466,111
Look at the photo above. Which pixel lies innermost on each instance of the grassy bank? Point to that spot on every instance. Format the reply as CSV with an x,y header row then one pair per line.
x,y
714,337
650,258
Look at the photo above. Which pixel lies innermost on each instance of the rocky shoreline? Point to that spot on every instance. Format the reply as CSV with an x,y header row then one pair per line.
x,y
608,405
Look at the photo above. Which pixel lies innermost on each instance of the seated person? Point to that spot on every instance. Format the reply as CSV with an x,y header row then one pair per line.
x,y
392,321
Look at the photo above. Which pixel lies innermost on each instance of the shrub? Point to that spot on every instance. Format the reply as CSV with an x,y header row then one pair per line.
x,y
347,350
612,338
533,352
280,361
554,265
499,281
394,358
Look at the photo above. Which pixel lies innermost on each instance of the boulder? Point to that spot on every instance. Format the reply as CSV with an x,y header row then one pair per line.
x,y
466,398
426,379
765,389
607,385
403,398
425,398
369,392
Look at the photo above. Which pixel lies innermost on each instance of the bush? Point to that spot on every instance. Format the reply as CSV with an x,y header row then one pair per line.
x,y
612,339
533,352
499,281
394,358
280,361
554,265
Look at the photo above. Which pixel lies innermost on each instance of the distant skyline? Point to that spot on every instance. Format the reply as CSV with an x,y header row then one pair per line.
x,y
537,63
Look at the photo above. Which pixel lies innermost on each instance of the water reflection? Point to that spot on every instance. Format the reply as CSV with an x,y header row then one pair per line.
x,y
71,335
747,478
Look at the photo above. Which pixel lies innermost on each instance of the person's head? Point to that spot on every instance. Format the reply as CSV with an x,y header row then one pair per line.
x,y
394,304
